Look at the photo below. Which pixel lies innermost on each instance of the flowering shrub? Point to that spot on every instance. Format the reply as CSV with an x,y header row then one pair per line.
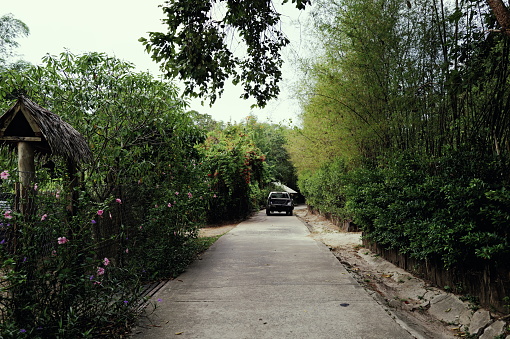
x,y
163,243
55,285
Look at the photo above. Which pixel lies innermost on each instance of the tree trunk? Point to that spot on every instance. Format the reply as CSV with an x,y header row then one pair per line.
x,y
502,14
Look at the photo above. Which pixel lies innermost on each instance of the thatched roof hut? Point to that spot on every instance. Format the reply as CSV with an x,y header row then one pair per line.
x,y
46,131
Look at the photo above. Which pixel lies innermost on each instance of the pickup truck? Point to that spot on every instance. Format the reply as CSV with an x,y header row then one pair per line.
x,y
280,202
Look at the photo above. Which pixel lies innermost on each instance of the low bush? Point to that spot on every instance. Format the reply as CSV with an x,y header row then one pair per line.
x,y
448,208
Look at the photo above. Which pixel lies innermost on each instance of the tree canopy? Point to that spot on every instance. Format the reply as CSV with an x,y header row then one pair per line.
x,y
10,29
199,46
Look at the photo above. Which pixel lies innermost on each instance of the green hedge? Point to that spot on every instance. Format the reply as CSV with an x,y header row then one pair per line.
x,y
325,189
453,208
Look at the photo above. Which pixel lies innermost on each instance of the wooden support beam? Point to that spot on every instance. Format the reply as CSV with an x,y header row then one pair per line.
x,y
26,163
26,168
12,138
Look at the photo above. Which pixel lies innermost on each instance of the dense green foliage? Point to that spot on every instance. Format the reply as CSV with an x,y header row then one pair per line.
x,y
271,140
405,126
236,169
324,188
441,210
447,209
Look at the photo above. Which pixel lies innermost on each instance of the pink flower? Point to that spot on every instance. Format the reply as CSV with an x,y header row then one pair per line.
x,y
53,252
214,196
106,261
190,195
62,240
100,271
110,215
118,200
36,187
57,195
176,193
127,250
169,205
7,215
44,216
100,212
4,175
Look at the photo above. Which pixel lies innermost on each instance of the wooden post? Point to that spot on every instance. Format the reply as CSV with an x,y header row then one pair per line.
x,y
26,168
72,185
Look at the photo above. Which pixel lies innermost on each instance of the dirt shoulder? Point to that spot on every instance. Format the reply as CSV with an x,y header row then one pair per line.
x,y
215,230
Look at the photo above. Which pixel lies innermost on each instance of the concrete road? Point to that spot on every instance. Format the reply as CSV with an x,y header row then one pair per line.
x,y
267,278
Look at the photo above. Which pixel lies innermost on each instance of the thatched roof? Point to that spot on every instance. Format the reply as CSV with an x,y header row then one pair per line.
x,y
27,121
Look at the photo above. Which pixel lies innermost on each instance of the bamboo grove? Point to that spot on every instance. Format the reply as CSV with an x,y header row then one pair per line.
x,y
399,76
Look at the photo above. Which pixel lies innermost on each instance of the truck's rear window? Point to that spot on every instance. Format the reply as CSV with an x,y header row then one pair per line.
x,y
279,195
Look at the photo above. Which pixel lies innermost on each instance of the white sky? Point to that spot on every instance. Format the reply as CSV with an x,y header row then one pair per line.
x,y
114,27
